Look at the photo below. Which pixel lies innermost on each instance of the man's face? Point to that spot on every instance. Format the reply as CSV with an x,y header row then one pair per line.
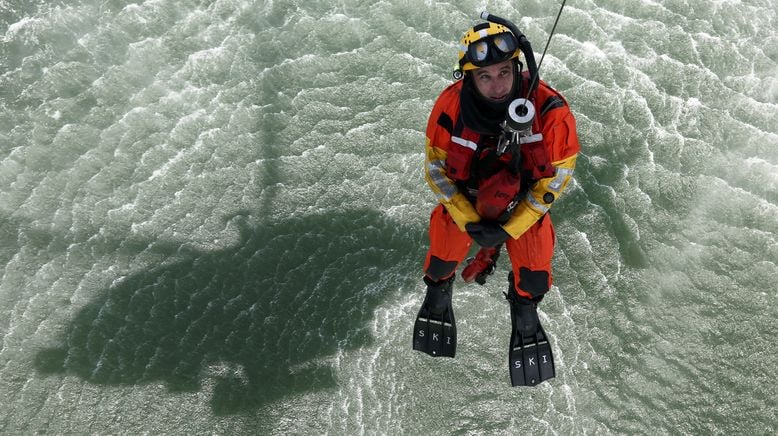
x,y
495,81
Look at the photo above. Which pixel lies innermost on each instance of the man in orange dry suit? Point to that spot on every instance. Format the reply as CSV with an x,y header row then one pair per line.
x,y
493,198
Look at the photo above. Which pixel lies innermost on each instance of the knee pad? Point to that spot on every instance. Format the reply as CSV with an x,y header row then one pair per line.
x,y
440,269
532,283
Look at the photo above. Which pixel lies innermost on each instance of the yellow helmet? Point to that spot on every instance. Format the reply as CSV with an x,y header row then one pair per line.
x,y
486,44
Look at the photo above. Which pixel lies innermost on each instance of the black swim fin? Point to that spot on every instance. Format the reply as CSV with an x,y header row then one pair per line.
x,y
530,360
435,331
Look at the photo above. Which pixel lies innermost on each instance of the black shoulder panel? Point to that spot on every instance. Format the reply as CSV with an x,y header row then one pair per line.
x,y
552,102
446,122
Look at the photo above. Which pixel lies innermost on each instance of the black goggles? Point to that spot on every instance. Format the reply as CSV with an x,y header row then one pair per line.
x,y
492,49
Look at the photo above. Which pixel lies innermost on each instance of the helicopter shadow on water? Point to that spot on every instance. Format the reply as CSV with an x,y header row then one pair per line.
x,y
267,313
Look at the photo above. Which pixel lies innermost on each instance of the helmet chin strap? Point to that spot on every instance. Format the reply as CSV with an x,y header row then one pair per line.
x,y
516,89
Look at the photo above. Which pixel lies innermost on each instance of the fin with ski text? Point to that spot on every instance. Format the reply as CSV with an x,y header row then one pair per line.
x,y
435,331
530,360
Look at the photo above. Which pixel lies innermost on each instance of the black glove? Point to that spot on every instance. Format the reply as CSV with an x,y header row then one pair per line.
x,y
487,234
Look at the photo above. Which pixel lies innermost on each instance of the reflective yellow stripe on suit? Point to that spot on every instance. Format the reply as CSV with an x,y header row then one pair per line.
x,y
457,205
540,197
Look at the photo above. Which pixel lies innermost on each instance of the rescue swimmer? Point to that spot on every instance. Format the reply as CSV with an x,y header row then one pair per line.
x,y
495,197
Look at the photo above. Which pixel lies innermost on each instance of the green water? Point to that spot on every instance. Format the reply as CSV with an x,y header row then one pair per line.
x,y
213,221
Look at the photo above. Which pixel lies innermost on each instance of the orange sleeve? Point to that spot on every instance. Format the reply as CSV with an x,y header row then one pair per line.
x,y
439,126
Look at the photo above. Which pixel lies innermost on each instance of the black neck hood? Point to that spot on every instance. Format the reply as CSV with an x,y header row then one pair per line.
x,y
481,114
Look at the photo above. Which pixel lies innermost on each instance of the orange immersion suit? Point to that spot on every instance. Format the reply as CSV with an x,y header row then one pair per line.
x,y
547,167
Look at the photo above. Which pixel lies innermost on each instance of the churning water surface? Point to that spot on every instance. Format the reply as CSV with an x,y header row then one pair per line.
x,y
213,220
